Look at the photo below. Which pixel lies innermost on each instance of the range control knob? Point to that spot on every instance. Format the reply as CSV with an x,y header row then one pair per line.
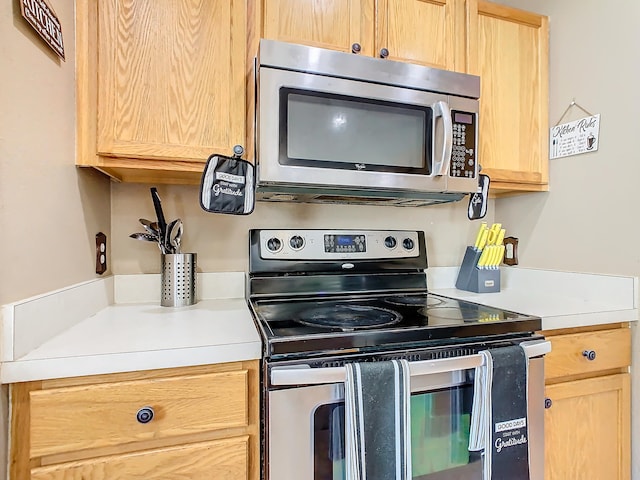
x,y
408,244
296,242
274,244
390,242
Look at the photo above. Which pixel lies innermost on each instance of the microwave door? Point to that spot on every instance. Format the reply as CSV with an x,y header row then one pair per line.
x,y
333,132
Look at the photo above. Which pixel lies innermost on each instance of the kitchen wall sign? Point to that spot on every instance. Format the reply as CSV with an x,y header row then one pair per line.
x,y
45,22
573,138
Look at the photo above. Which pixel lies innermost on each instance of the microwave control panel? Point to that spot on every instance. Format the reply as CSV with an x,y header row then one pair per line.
x,y
463,152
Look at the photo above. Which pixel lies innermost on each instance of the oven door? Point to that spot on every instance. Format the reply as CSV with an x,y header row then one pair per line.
x,y
305,424
325,131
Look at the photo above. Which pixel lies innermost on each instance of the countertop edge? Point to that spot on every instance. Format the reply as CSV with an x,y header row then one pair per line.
x,y
67,367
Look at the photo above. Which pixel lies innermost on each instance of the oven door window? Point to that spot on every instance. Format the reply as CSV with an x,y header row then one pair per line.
x,y
341,132
440,422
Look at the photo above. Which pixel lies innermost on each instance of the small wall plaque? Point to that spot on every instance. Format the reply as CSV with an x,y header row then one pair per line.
x,y
44,20
574,138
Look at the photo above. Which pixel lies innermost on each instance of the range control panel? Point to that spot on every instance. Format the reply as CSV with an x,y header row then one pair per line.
x,y
463,152
337,244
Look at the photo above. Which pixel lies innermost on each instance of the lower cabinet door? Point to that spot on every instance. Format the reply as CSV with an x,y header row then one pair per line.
x,y
225,459
587,429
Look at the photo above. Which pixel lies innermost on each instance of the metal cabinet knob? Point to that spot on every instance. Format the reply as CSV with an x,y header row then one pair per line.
x,y
238,150
589,354
547,403
356,48
384,53
145,415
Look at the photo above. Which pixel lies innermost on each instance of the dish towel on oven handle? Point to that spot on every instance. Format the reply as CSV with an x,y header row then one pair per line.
x,y
377,424
499,423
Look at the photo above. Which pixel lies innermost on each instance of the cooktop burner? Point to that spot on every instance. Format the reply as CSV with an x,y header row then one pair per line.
x,y
414,300
349,317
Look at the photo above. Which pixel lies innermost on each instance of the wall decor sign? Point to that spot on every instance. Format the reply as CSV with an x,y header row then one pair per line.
x,y
573,138
44,20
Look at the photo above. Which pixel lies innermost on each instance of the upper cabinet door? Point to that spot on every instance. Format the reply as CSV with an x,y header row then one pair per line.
x,y
171,78
427,32
343,25
508,48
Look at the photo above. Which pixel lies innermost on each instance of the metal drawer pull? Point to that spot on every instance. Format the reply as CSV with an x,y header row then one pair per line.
x,y
314,376
548,403
145,415
589,354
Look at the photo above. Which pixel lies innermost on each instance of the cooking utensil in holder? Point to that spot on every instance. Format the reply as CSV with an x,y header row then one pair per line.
x,y
473,278
178,279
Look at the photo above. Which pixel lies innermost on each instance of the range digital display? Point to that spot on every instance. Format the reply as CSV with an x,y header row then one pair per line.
x,y
344,240
345,244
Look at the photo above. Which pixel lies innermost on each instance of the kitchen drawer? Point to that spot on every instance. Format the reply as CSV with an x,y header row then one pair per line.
x,y
568,356
226,459
99,415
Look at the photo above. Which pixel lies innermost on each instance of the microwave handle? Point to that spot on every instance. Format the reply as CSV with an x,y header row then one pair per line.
x,y
441,109
302,375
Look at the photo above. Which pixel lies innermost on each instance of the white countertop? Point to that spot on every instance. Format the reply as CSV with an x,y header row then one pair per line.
x,y
116,324
560,299
130,337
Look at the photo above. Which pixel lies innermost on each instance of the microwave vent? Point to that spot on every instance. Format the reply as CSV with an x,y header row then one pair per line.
x,y
298,194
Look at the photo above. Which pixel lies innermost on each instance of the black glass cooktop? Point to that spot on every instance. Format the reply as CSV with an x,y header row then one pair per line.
x,y
321,324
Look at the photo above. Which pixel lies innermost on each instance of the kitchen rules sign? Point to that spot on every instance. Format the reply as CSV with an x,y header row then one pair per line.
x,y
574,138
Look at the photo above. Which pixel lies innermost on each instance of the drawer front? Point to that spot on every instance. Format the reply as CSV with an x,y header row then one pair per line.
x,y
570,353
91,416
227,459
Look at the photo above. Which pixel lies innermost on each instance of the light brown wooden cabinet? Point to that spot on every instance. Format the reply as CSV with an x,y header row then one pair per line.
x,y
588,419
205,424
509,50
160,86
423,32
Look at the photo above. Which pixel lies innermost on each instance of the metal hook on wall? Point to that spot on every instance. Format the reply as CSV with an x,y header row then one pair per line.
x,y
573,104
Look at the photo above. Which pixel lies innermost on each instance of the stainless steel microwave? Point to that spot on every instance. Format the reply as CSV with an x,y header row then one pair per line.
x,y
344,128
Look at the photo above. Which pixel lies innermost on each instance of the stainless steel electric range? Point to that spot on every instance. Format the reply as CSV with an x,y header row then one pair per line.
x,y
322,298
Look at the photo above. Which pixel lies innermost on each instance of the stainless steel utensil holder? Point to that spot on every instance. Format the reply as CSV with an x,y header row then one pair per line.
x,y
178,279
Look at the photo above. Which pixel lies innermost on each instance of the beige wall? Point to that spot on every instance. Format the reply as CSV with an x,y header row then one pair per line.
x,y
221,241
49,211
589,221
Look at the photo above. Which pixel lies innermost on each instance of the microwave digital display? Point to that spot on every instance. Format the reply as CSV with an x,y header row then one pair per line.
x,y
465,118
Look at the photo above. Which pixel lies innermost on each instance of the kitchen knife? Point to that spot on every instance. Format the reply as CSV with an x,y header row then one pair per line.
x,y
493,233
482,261
500,238
481,233
496,257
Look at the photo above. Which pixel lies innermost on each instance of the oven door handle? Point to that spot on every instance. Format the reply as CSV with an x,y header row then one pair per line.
x,y
281,376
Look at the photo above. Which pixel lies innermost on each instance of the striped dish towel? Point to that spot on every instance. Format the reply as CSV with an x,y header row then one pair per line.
x,y
499,423
377,430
